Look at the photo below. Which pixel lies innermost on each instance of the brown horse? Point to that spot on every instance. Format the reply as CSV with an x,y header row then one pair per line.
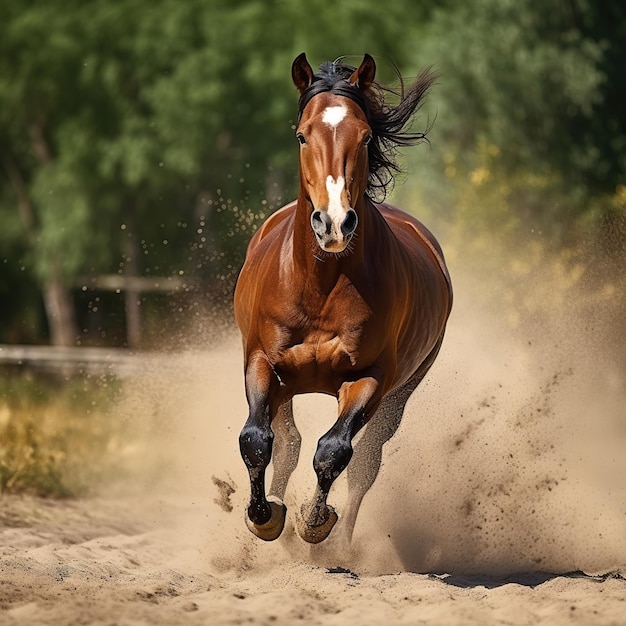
x,y
337,295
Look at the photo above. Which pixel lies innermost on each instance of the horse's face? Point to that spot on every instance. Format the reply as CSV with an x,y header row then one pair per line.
x,y
333,134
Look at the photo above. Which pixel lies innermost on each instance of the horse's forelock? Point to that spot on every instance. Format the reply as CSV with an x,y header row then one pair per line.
x,y
387,122
332,77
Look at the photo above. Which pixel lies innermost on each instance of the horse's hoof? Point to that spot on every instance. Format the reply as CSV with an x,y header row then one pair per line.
x,y
271,529
316,534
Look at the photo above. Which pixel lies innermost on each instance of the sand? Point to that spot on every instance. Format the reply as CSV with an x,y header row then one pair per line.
x,y
100,562
501,499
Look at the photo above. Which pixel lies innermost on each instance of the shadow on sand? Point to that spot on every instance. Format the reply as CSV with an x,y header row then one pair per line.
x,y
528,579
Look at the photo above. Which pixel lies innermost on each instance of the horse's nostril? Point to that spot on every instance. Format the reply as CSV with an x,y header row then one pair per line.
x,y
349,223
321,222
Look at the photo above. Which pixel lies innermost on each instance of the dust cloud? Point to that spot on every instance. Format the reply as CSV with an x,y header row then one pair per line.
x,y
509,458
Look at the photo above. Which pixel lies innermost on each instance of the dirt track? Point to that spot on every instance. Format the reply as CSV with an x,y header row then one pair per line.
x,y
509,460
99,562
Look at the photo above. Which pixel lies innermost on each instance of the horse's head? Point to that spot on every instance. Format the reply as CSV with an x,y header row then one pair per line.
x,y
333,133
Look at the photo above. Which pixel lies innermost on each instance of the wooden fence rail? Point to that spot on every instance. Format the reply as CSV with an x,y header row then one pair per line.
x,y
76,360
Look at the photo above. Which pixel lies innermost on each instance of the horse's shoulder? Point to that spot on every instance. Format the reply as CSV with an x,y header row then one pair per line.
x,y
272,222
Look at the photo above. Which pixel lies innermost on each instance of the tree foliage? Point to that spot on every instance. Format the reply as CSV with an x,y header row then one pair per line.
x,y
531,109
158,134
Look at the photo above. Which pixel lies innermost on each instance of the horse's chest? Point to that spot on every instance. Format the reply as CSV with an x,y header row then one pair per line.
x,y
315,365
319,340
316,359
329,352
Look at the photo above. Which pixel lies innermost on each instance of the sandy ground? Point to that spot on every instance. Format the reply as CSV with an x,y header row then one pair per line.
x,y
100,562
505,482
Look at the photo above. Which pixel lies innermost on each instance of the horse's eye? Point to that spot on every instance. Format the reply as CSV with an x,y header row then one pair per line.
x,y
367,139
301,139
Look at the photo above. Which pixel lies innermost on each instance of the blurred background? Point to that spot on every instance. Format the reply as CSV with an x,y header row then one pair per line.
x,y
143,142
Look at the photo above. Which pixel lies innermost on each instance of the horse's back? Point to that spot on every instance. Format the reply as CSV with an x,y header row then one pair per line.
x,y
401,222
427,308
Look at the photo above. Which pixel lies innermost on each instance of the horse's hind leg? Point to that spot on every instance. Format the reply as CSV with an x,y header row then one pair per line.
x,y
286,449
367,458
266,519
368,452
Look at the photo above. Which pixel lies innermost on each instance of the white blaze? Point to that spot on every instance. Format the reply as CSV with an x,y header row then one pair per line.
x,y
333,115
336,212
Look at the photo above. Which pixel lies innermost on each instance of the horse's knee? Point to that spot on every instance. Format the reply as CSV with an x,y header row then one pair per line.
x,y
331,458
255,444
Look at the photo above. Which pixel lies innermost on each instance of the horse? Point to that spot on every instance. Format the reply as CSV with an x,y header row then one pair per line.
x,y
339,295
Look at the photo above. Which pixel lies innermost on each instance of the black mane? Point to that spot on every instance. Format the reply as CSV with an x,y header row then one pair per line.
x,y
386,121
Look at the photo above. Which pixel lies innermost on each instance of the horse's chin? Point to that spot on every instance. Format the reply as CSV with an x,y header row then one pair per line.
x,y
334,247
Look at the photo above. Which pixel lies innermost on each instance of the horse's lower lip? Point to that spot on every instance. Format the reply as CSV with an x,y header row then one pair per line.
x,y
333,246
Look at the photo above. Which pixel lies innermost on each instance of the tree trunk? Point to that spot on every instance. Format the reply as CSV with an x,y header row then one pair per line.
x,y
57,297
60,312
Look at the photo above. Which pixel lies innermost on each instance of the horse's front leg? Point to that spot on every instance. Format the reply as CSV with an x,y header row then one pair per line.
x,y
265,518
358,401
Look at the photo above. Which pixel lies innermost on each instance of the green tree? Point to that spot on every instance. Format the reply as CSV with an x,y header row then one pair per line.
x,y
530,109
151,137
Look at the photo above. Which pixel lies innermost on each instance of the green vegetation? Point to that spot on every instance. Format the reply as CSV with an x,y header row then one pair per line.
x,y
151,138
65,440
531,125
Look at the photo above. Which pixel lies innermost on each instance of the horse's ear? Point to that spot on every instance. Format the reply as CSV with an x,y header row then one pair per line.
x,y
301,72
363,76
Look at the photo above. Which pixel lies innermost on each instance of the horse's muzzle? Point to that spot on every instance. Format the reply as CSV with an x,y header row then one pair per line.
x,y
333,237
